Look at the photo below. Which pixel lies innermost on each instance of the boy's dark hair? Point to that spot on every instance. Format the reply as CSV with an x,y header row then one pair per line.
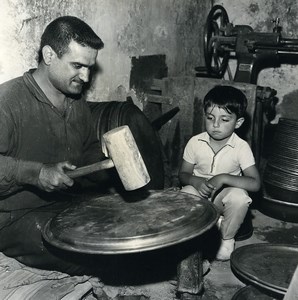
x,y
227,97
60,32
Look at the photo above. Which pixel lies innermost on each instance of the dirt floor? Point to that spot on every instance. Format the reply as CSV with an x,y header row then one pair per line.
x,y
220,283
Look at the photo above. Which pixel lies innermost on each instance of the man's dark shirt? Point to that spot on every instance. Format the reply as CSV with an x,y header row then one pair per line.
x,y
33,132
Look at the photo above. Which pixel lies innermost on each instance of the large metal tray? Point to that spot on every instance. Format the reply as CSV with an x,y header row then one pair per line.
x,y
134,222
267,266
251,293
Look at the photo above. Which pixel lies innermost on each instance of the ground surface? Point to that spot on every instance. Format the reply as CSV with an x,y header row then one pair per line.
x,y
220,282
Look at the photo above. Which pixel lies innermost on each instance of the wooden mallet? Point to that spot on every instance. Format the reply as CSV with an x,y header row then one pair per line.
x,y
124,155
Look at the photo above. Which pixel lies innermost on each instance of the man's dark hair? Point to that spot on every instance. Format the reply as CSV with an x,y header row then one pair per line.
x,y
229,98
60,32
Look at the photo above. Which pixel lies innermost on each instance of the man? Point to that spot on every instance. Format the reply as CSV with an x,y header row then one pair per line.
x,y
46,130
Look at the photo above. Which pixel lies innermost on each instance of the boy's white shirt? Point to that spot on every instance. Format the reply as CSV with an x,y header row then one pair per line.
x,y
232,158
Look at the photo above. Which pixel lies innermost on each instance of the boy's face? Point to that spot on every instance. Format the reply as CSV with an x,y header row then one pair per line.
x,y
220,124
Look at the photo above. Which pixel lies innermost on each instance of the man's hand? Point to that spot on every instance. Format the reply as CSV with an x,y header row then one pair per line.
x,y
53,178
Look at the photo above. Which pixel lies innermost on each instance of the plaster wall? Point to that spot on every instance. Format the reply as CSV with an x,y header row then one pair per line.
x,y
127,27
259,15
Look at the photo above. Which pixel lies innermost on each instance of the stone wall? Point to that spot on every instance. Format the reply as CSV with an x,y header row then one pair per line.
x,y
128,28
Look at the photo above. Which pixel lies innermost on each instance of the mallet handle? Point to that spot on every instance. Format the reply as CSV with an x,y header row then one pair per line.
x,y
102,165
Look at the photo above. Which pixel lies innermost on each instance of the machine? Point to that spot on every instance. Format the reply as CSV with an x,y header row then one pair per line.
x,y
253,50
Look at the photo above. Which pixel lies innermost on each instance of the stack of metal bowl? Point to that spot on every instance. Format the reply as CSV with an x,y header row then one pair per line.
x,y
281,171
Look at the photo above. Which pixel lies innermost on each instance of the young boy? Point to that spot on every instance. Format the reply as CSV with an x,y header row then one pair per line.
x,y
219,165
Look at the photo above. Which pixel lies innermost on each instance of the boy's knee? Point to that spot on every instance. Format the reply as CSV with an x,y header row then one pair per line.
x,y
237,197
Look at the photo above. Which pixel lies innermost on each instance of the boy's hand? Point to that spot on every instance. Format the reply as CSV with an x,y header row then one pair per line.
x,y
217,182
205,190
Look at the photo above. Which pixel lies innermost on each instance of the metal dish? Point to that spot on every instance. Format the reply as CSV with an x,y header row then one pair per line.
x,y
266,266
251,293
135,222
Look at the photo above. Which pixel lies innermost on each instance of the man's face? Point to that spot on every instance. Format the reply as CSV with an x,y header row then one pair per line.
x,y
220,124
69,73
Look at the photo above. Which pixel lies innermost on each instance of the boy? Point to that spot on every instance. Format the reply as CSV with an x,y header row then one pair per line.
x,y
219,165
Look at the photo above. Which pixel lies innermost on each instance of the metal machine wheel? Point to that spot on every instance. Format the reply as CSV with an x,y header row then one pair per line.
x,y
216,59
